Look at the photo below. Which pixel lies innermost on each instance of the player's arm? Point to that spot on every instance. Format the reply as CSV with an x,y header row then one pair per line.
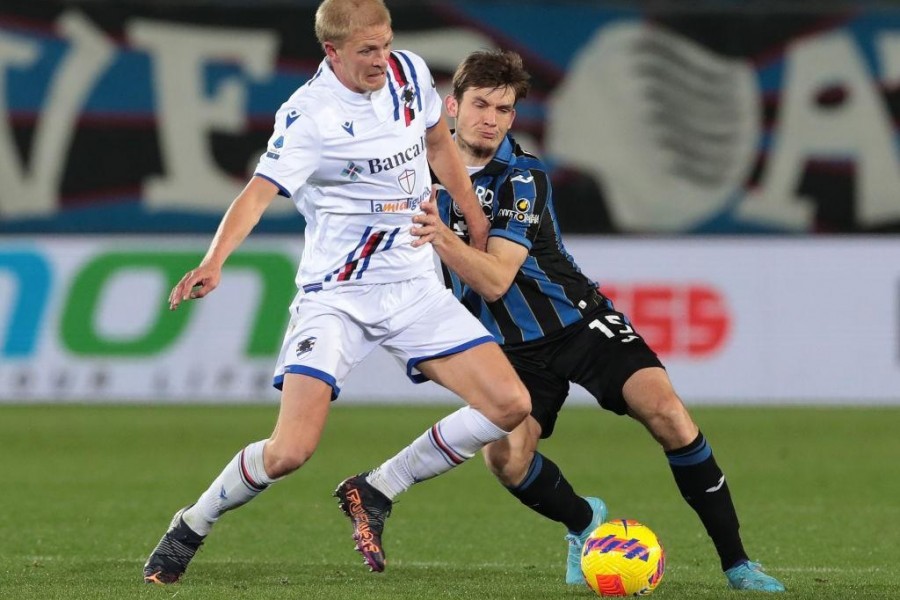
x,y
488,273
451,172
240,219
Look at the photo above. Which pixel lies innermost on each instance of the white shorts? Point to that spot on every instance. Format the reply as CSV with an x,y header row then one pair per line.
x,y
333,330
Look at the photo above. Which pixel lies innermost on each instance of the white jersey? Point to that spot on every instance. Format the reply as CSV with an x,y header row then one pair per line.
x,y
354,165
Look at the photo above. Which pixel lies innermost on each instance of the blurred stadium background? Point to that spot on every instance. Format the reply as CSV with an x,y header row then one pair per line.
x,y
727,170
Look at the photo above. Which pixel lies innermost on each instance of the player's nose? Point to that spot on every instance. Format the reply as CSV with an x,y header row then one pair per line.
x,y
381,58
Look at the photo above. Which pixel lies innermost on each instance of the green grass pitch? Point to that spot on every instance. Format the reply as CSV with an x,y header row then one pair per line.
x,y
88,490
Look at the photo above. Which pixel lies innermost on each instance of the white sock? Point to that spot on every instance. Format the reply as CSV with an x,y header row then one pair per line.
x,y
240,481
450,442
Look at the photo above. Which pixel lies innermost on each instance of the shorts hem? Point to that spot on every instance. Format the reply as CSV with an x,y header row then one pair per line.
x,y
278,380
412,363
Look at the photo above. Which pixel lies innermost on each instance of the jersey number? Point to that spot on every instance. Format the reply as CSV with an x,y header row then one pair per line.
x,y
616,320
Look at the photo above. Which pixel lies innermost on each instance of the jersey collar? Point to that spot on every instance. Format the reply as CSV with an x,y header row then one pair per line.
x,y
503,158
376,98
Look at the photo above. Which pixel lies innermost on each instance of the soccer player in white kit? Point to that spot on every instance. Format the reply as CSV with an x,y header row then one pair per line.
x,y
349,148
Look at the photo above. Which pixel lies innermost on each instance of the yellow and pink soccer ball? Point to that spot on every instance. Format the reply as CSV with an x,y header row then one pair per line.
x,y
623,558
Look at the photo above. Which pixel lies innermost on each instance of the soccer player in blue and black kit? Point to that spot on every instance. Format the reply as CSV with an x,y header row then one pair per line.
x,y
557,328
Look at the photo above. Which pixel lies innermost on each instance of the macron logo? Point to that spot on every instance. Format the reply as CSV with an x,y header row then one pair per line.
x,y
348,127
292,116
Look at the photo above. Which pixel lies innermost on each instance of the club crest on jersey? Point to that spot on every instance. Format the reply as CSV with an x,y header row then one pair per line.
x,y
304,346
522,204
408,95
407,180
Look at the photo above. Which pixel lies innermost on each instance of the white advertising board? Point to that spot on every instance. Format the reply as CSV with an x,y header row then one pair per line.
x,y
805,319
86,319
735,320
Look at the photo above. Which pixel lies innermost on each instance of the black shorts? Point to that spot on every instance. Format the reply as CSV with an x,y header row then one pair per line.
x,y
599,353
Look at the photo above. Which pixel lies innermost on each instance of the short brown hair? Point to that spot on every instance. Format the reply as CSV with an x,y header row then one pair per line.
x,y
491,69
336,20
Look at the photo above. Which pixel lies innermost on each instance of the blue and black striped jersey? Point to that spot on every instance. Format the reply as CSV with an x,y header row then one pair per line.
x,y
549,292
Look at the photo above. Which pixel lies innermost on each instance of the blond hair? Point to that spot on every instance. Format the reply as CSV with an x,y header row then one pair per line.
x,y
336,20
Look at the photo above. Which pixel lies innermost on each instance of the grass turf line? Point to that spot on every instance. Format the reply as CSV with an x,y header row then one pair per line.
x,y
88,490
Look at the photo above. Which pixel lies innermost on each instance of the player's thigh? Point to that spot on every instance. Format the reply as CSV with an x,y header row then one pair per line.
x,y
304,408
548,390
431,324
437,338
322,342
482,376
601,355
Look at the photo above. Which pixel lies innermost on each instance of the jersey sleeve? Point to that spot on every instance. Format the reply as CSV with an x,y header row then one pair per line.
x,y
521,203
293,151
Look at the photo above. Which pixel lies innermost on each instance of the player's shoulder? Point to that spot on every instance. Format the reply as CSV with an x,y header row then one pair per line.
x,y
312,100
306,110
408,59
525,164
293,120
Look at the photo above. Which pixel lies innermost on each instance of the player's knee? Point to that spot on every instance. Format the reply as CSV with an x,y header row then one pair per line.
x,y
666,407
513,403
669,421
283,459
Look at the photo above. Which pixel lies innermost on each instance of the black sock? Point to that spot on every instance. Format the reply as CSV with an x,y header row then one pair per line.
x,y
547,492
703,486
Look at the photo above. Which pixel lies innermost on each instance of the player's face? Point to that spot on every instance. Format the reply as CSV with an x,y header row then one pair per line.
x,y
360,61
483,117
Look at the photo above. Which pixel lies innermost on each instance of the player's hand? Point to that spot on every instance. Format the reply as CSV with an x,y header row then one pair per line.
x,y
478,229
195,284
428,227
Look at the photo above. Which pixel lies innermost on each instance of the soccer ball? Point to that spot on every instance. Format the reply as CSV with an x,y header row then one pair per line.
x,y
623,558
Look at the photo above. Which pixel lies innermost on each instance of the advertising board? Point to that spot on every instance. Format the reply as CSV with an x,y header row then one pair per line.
x,y
734,319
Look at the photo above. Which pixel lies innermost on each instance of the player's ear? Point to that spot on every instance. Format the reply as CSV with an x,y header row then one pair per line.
x,y
330,50
451,105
